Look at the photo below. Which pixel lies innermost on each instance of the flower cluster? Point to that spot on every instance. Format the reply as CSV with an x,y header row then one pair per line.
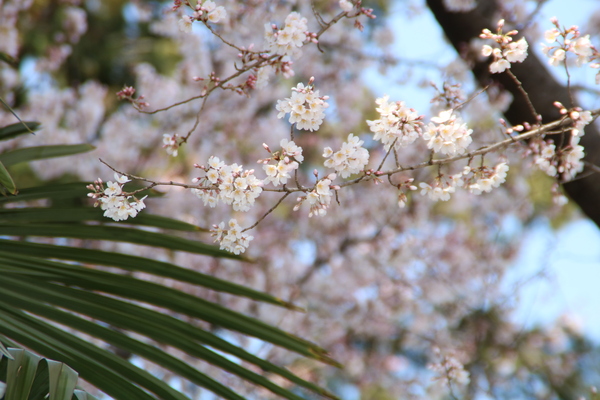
x,y
206,11
439,190
580,120
508,52
569,40
450,136
567,161
546,157
477,181
288,40
305,106
232,239
450,370
230,184
350,159
171,144
485,179
287,161
116,204
320,197
398,126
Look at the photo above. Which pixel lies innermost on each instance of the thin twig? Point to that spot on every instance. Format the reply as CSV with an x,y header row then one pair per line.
x,y
471,98
210,90
268,212
525,95
186,137
592,166
387,154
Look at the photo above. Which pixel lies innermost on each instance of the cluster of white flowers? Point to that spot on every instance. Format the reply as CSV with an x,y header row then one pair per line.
x,y
305,106
481,180
567,161
451,136
288,40
319,198
580,120
572,160
171,144
350,159
116,204
398,125
545,159
569,40
232,239
206,11
230,184
440,190
508,52
485,179
288,160
450,370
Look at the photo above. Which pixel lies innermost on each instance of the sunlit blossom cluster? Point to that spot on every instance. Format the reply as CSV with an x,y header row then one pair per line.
x,y
286,161
116,204
350,159
171,144
306,107
206,11
440,189
508,52
450,370
288,40
232,238
580,120
230,184
319,198
447,134
567,161
485,179
569,40
475,180
399,126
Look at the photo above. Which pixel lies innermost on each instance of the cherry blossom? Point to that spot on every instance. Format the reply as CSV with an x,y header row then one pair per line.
x,y
350,159
399,126
116,204
450,136
288,40
508,51
232,239
305,106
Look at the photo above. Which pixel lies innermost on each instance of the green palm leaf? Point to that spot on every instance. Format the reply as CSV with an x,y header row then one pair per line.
x,y
31,377
45,284
42,152
20,128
